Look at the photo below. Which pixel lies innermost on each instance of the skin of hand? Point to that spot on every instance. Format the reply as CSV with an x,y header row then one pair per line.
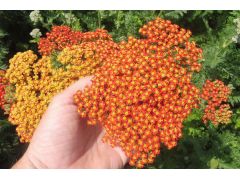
x,y
64,140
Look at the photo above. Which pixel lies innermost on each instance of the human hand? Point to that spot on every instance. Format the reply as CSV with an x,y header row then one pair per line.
x,y
63,140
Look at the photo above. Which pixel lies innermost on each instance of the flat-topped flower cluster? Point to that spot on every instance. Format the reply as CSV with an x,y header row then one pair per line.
x,y
141,91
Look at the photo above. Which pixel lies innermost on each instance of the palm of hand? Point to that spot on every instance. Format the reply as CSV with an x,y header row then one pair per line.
x,y
63,140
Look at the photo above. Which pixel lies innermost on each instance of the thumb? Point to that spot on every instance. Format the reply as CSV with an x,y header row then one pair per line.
x,y
67,94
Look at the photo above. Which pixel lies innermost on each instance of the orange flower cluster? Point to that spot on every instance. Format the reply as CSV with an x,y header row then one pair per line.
x,y
2,88
59,38
9,97
63,36
37,80
143,92
215,93
223,114
6,93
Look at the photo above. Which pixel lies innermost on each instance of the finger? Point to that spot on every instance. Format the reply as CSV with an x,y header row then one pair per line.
x,y
79,85
122,155
68,93
117,149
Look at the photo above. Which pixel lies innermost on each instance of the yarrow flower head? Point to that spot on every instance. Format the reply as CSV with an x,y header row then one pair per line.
x,y
143,92
36,33
69,18
38,80
61,37
216,93
236,37
2,88
237,22
35,16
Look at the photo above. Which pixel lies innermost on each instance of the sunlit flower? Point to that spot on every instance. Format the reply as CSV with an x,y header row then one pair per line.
x,y
143,92
36,33
35,16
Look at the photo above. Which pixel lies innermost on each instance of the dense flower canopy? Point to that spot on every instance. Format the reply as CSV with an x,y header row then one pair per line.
x,y
142,93
38,80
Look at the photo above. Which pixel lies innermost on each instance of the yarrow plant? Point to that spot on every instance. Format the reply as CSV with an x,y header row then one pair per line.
x,y
35,16
37,80
216,93
2,88
63,36
141,91
236,38
36,33
59,38
69,18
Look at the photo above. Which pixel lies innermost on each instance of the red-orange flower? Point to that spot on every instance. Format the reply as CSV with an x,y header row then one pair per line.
x,y
143,92
2,88
216,93
61,37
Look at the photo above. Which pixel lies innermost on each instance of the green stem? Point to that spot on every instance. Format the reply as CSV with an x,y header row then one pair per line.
x,y
99,19
227,43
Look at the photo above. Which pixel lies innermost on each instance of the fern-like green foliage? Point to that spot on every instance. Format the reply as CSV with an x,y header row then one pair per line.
x,y
3,50
203,146
49,18
10,149
234,99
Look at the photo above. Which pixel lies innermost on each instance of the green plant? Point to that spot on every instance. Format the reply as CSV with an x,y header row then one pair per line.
x,y
216,32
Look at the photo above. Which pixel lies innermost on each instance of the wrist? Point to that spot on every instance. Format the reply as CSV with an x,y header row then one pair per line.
x,y
24,163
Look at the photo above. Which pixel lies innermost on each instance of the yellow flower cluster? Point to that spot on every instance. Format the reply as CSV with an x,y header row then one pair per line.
x,y
37,81
223,114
